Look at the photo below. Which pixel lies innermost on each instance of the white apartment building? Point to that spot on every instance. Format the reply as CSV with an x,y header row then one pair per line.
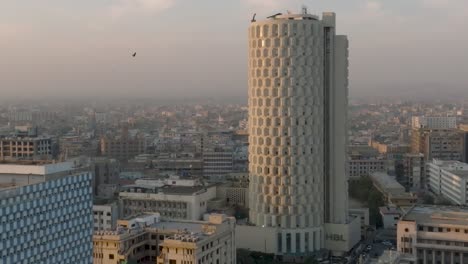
x,y
45,213
434,122
105,216
434,234
363,215
390,216
298,96
449,179
171,201
210,241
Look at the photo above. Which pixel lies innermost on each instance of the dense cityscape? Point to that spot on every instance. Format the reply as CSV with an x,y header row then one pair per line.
x,y
295,173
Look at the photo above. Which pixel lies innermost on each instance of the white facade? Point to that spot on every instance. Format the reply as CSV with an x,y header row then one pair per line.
x,y
390,216
48,220
363,215
449,179
175,202
434,122
105,216
298,78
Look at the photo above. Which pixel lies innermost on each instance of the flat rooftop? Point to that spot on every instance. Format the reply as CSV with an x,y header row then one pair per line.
x,y
461,173
433,214
167,189
386,181
14,174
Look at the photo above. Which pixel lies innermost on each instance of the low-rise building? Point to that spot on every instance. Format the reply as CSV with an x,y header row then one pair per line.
x,y
449,179
133,241
171,201
26,147
434,234
363,215
394,193
122,147
234,193
212,241
390,216
105,216
364,160
148,239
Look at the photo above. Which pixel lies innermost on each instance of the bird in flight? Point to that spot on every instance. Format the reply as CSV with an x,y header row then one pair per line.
x,y
134,54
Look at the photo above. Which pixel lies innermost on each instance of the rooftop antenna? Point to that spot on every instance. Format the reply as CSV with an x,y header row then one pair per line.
x,y
304,10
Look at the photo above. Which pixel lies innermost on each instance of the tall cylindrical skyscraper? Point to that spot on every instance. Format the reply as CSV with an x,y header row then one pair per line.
x,y
297,124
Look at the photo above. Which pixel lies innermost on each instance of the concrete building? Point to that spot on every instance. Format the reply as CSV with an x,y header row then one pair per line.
x,y
443,144
171,201
26,146
234,193
135,240
72,146
434,234
298,90
434,122
449,179
217,162
106,171
464,130
390,216
122,147
363,215
147,239
394,193
414,171
212,241
45,213
358,168
105,216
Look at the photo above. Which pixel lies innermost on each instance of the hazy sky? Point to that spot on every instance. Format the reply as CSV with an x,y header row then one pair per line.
x,y
199,47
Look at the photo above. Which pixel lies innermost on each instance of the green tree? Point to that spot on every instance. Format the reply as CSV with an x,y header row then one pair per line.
x,y
375,200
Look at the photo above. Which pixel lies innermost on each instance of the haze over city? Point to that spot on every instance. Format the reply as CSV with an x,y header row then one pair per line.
x,y
57,48
234,132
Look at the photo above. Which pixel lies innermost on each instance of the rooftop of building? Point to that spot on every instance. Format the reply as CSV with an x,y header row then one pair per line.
x,y
14,174
386,181
456,167
389,210
434,214
181,230
177,190
461,173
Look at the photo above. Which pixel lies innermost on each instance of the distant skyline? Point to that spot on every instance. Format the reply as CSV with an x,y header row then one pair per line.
x,y
69,48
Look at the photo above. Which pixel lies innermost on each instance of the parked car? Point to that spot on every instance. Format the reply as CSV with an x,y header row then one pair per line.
x,y
387,243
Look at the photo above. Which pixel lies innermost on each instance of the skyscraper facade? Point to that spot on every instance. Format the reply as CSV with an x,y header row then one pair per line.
x,y
45,213
298,89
